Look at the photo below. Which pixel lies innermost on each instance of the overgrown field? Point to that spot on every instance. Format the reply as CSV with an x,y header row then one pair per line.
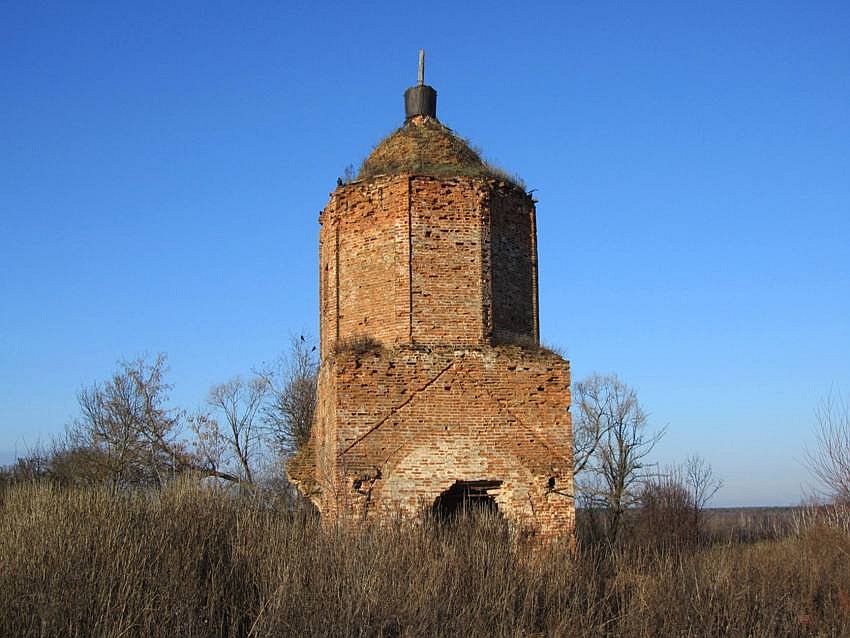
x,y
193,562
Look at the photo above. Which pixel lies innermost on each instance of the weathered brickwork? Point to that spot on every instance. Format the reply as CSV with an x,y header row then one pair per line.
x,y
417,259
408,423
431,373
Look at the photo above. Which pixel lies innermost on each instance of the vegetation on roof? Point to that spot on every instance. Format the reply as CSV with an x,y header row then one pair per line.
x,y
424,146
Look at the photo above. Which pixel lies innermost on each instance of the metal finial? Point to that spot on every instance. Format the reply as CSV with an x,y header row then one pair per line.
x,y
420,99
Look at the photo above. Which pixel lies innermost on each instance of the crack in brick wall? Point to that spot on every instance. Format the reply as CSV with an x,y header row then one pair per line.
x,y
398,407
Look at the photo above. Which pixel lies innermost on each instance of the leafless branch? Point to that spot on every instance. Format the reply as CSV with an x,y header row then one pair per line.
x,y
239,403
829,461
612,446
288,416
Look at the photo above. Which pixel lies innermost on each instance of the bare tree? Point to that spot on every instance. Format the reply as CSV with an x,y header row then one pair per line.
x,y
127,435
829,461
590,424
701,481
127,422
32,466
239,404
672,502
289,413
616,444
666,517
210,446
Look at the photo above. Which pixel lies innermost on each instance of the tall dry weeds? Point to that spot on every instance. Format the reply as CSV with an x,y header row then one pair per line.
x,y
195,562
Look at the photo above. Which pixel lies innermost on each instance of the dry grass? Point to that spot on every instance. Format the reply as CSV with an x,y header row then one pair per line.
x,y
357,345
424,146
193,562
527,343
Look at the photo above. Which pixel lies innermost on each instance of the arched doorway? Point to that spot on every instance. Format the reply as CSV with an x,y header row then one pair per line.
x,y
466,497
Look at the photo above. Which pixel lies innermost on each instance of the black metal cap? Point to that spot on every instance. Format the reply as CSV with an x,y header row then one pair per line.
x,y
420,100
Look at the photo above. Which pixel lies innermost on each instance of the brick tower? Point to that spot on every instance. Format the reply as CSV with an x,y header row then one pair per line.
x,y
433,388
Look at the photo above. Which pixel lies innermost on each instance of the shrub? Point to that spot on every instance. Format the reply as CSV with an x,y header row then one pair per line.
x,y
667,516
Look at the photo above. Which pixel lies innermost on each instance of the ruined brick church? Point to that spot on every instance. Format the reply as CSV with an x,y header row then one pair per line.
x,y
434,392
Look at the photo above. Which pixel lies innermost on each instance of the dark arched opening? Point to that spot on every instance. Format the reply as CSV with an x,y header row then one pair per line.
x,y
466,498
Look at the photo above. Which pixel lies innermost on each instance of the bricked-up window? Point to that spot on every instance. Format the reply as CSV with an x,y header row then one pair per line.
x,y
467,497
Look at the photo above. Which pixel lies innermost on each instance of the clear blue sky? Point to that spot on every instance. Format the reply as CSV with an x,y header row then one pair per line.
x,y
162,166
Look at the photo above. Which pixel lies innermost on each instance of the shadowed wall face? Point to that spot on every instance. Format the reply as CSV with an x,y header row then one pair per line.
x,y
514,270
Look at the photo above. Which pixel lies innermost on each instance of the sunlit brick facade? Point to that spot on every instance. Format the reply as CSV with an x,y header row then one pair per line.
x,y
432,379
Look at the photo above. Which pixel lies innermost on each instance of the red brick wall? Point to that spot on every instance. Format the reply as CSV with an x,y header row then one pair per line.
x,y
438,271
363,249
409,422
425,260
448,217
